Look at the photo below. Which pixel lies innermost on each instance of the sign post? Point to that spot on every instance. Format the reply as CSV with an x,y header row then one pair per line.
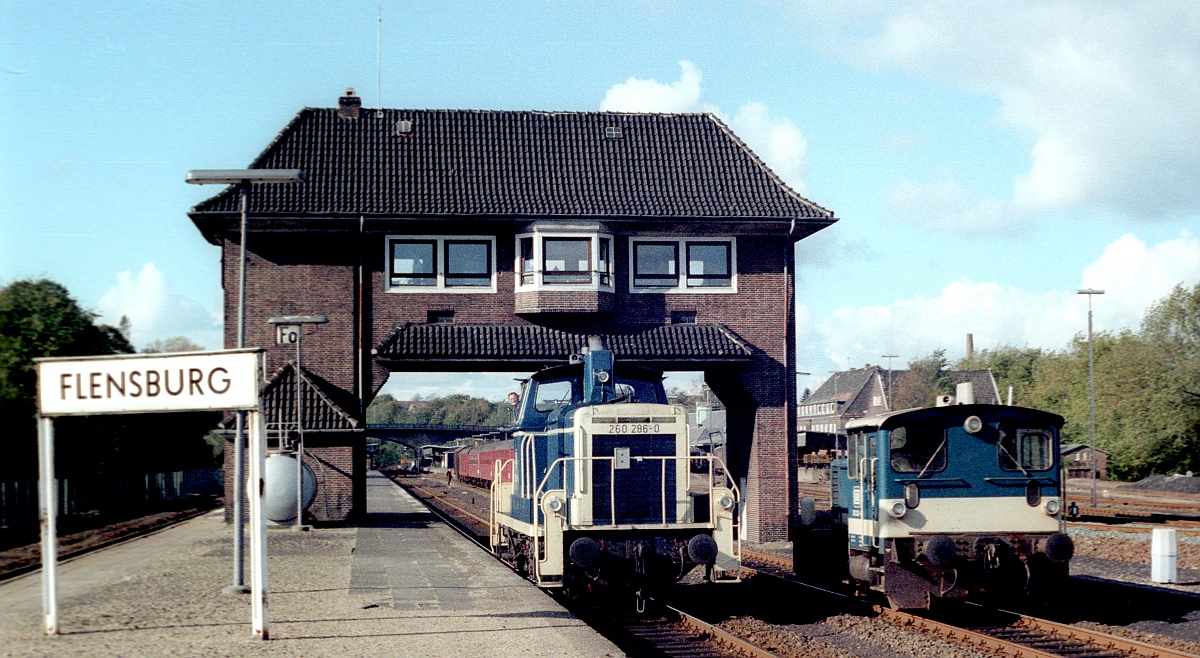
x,y
136,383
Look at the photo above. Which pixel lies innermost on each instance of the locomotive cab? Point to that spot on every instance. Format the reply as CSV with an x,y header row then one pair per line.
x,y
601,481
947,501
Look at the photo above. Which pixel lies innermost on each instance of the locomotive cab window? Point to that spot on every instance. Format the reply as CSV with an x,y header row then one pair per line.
x,y
1020,449
917,448
554,394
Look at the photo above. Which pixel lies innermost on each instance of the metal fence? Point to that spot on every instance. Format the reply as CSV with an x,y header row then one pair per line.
x,y
116,498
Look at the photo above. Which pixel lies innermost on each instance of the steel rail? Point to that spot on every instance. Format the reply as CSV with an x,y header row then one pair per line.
x,y
721,636
1050,631
694,624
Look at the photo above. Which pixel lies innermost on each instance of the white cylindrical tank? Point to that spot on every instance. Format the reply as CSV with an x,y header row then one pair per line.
x,y
279,497
1164,552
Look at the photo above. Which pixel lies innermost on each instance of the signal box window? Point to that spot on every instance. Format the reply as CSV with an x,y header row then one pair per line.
x,y
564,260
567,260
708,264
918,448
468,263
1025,449
414,263
430,263
700,265
654,264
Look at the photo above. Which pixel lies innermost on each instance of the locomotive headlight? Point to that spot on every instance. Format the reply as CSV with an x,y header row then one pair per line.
x,y
726,502
973,424
897,509
554,504
1052,506
602,376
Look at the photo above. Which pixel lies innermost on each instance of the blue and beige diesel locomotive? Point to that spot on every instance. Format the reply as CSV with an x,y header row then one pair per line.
x,y
599,485
943,502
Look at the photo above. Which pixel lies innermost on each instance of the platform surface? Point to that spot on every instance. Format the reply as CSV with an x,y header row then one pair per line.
x,y
402,584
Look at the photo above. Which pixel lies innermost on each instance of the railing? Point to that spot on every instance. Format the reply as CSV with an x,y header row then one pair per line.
x,y
113,497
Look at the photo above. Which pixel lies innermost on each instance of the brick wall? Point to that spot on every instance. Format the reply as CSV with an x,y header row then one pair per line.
x,y
317,274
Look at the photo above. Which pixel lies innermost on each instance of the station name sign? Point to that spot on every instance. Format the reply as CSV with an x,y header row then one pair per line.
x,y
192,381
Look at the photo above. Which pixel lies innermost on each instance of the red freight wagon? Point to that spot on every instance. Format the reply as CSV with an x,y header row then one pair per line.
x,y
475,465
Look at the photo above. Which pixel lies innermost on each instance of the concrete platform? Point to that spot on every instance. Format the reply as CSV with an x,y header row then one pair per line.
x,y
401,584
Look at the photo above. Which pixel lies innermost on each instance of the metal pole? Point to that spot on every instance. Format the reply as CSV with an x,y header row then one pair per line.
x,y
1092,401
258,528
299,438
239,435
48,512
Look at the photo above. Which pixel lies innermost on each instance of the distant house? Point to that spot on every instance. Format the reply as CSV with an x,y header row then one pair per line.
x,y
867,391
1077,458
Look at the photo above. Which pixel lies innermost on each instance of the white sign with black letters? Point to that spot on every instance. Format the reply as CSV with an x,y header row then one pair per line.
x,y
287,334
148,383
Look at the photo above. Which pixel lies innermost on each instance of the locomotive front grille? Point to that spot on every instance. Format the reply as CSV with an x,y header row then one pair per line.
x,y
638,492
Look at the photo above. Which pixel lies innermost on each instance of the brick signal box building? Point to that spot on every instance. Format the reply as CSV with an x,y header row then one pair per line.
x,y
498,241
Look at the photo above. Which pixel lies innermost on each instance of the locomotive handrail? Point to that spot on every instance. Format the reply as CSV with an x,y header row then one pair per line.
x,y
494,498
540,493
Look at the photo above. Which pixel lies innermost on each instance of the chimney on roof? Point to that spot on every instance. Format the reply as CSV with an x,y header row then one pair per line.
x,y
349,105
970,345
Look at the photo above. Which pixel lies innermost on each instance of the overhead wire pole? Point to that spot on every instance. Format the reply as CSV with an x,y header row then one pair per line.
x,y
888,397
1091,389
243,178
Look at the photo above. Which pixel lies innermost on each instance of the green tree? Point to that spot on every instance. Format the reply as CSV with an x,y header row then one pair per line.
x,y
174,344
40,319
925,379
454,409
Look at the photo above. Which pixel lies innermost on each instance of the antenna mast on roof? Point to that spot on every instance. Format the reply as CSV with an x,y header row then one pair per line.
x,y
379,62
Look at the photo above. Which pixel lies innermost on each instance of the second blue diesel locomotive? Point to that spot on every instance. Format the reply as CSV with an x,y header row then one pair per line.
x,y
599,482
942,502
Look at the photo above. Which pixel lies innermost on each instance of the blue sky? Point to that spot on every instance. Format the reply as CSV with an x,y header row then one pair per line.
x,y
985,159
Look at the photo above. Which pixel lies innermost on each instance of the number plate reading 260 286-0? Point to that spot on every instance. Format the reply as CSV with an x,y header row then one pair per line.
x,y
632,428
633,424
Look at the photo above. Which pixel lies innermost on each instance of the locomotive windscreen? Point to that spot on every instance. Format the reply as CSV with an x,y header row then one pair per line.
x,y
639,488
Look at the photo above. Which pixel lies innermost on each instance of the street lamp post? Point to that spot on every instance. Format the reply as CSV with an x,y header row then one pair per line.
x,y
290,329
244,179
1091,389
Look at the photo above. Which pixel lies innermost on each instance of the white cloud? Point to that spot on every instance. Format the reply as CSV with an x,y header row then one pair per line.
x,y
1106,92
156,311
948,206
776,140
1133,275
635,95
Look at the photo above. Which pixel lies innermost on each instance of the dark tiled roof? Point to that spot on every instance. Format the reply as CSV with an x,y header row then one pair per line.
x,y
434,343
527,164
851,383
325,406
846,384
982,382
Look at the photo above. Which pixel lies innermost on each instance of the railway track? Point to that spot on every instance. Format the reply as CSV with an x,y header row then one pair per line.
x,y
14,569
1004,633
673,634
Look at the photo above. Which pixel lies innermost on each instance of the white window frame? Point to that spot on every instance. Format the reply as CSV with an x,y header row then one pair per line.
x,y
440,257
682,287
539,237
